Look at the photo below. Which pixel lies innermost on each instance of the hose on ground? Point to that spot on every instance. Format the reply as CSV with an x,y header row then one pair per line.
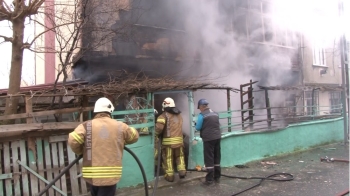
x,y
273,177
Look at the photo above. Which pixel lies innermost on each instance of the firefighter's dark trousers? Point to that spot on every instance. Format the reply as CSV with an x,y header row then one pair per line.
x,y
212,158
103,190
168,155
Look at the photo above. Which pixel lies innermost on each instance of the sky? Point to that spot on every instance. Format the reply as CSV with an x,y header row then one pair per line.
x,y
28,70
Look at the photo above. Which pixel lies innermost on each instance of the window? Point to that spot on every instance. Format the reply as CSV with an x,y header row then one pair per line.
x,y
255,27
239,23
319,57
268,29
335,102
311,105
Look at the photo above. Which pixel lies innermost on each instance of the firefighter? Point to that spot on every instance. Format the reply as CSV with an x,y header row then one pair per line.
x,y
101,141
169,130
209,126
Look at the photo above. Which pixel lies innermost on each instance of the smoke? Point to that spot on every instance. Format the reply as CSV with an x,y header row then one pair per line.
x,y
228,42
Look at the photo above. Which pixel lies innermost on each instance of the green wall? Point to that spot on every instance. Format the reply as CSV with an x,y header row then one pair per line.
x,y
132,175
243,147
239,147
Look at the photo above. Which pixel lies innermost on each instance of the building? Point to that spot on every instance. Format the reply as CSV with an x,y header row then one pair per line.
x,y
242,39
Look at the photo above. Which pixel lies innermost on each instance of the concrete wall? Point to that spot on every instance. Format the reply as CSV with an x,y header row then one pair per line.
x,y
311,73
240,148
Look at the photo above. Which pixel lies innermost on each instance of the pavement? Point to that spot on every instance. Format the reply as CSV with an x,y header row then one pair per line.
x,y
311,177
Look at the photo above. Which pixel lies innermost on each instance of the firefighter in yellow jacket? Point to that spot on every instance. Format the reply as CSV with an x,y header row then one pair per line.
x,y
169,129
101,141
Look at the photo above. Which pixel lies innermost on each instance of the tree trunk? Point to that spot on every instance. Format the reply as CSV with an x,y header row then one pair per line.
x,y
16,67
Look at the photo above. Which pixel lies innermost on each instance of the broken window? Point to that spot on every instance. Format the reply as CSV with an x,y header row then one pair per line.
x,y
280,36
255,27
335,103
240,23
268,30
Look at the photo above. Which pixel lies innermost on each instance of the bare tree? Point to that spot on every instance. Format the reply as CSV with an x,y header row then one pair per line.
x,y
16,13
84,26
70,22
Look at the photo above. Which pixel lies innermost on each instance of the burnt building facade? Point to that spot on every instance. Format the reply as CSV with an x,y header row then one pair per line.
x,y
228,41
193,38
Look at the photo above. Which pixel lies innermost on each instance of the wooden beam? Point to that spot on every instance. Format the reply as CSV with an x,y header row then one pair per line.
x,y
18,129
85,104
29,109
45,113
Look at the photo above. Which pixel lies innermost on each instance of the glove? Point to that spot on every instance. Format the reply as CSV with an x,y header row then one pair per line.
x,y
155,112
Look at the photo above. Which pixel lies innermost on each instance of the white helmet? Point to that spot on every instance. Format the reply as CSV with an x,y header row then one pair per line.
x,y
168,103
103,105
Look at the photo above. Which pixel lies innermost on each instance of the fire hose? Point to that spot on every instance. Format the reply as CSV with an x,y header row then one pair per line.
x,y
273,177
327,159
79,157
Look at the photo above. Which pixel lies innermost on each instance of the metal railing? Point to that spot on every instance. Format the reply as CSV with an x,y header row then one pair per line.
x,y
279,117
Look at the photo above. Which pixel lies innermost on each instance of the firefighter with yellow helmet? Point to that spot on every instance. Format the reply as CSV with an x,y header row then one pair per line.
x,y
101,141
169,129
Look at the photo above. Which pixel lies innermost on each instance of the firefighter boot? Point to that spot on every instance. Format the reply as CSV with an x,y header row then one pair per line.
x,y
182,174
169,178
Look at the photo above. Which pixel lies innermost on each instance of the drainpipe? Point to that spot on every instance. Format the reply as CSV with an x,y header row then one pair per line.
x,y
343,62
302,68
191,163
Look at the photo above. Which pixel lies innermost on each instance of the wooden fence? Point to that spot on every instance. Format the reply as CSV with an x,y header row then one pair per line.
x,y
24,172
33,154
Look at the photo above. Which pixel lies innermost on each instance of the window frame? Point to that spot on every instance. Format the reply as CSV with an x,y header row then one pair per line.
x,y
335,96
308,99
319,56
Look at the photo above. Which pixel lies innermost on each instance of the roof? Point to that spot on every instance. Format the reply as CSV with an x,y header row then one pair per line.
x,y
304,87
126,85
48,87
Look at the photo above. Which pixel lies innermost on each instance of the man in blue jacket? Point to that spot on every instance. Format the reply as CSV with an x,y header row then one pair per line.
x,y
209,126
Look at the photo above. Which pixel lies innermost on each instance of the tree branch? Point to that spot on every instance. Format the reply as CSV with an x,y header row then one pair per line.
x,y
6,39
27,45
5,11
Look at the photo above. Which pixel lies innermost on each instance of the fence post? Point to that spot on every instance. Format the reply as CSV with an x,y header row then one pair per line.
x,y
268,109
250,105
242,112
229,110
33,182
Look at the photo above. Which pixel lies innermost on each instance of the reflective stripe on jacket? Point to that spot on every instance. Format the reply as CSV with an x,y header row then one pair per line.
x,y
101,141
169,127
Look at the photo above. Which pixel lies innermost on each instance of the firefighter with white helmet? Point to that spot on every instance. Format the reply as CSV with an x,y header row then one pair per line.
x,y
101,141
169,129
